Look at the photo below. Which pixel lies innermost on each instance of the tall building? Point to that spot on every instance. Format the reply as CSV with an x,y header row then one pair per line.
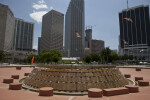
x,y
88,37
135,32
23,35
7,22
74,29
39,45
52,31
96,46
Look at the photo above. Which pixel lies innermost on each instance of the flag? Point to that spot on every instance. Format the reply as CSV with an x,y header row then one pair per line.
x,y
32,60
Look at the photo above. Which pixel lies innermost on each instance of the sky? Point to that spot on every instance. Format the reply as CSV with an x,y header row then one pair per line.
x,y
101,14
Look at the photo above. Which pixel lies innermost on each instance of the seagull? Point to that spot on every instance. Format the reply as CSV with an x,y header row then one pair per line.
x,y
141,50
77,34
125,42
128,19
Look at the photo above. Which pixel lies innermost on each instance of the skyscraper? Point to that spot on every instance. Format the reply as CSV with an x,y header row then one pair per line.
x,y
74,29
23,35
39,45
52,31
135,32
88,37
7,22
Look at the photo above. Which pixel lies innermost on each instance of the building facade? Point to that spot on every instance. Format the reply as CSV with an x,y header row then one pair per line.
x,y
88,37
135,32
7,22
39,45
52,31
96,46
23,35
74,29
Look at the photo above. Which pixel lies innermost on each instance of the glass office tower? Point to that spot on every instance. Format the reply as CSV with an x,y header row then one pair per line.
x,y
135,32
23,35
74,22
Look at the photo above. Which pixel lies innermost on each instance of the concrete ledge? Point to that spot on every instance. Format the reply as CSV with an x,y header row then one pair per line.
x,y
143,83
26,74
15,86
15,76
132,88
8,80
18,68
138,69
46,91
127,75
138,78
95,92
115,91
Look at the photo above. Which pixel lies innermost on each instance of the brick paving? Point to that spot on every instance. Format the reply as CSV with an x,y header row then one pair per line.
x,y
6,94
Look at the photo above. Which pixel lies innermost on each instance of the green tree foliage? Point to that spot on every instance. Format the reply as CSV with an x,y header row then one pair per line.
x,y
130,57
113,56
95,57
2,55
105,55
92,57
56,56
88,59
50,56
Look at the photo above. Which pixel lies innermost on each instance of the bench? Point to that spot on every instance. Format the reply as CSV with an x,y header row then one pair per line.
x,y
15,86
18,68
127,75
15,76
8,80
26,74
138,78
95,92
143,83
132,88
138,69
46,91
115,91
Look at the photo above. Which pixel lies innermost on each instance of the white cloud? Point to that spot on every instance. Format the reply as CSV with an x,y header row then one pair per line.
x,y
37,15
39,6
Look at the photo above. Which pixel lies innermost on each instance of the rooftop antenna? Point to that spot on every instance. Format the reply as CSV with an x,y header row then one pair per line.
x,y
127,4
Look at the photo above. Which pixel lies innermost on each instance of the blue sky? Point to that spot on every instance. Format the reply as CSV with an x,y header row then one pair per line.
x,y
102,13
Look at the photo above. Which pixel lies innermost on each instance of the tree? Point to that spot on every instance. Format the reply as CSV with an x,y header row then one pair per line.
x,y
105,54
56,56
87,59
95,57
130,57
125,57
50,56
2,55
113,56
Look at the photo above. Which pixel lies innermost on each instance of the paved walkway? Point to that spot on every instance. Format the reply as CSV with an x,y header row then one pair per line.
x,y
6,94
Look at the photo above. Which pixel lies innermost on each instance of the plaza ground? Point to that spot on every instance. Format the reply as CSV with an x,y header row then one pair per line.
x,y
6,94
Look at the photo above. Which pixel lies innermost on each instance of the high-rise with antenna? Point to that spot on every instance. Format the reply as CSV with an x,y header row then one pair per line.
x,y
134,32
127,4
